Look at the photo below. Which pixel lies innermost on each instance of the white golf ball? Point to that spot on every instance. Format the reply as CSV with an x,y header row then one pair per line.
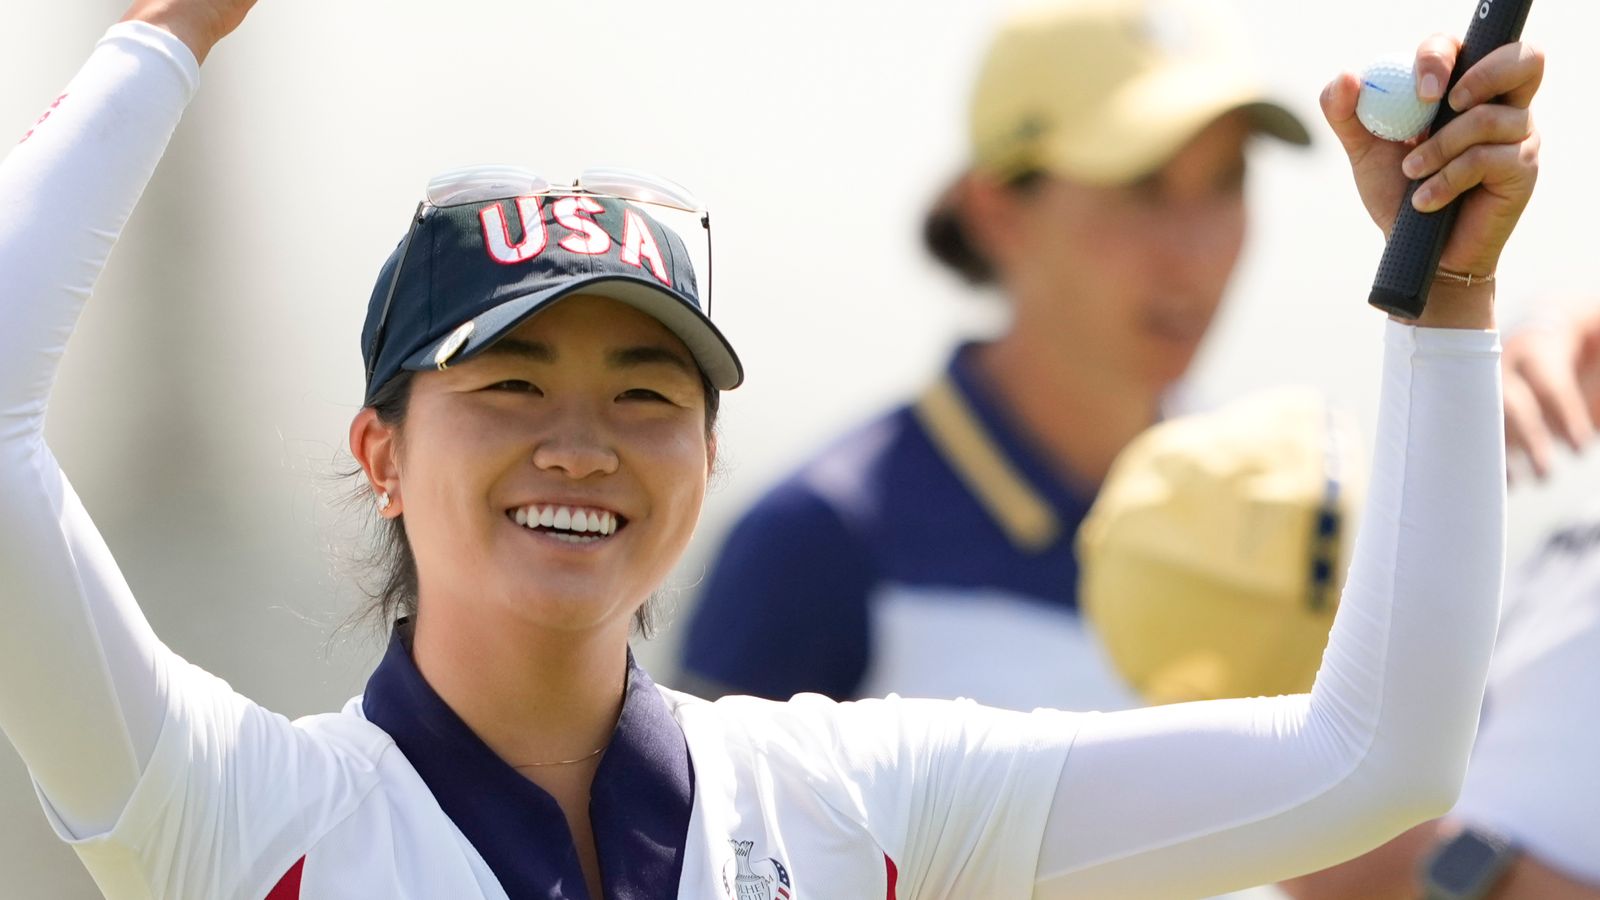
x,y
1388,104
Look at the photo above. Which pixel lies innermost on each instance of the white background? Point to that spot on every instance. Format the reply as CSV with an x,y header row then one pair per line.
x,y
209,389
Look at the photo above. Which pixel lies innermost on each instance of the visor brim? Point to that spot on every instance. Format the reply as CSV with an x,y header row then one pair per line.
x,y
711,350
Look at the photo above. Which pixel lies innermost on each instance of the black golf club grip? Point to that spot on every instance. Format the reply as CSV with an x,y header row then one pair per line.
x,y
1417,239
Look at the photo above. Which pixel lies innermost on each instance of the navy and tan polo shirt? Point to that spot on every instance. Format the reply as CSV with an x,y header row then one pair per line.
x,y
928,553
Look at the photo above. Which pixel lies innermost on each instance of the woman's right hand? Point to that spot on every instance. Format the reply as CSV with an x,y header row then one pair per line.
x,y
1488,157
198,23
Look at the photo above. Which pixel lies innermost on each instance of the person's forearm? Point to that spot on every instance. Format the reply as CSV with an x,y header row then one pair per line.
x,y
1387,873
1394,872
1455,305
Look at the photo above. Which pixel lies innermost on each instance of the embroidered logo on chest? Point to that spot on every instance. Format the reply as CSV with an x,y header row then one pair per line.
x,y
765,878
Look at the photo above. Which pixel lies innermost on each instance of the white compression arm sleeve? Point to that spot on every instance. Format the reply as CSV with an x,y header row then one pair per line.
x,y
1196,799
82,677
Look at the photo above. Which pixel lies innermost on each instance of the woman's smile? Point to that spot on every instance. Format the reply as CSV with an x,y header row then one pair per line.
x,y
568,524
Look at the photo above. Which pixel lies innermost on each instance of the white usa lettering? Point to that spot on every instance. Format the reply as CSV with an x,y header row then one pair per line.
x,y
639,244
497,235
585,236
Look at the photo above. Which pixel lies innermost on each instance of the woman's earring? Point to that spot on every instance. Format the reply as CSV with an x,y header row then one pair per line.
x,y
383,501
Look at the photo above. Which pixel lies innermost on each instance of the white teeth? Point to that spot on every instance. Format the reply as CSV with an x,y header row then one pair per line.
x,y
590,524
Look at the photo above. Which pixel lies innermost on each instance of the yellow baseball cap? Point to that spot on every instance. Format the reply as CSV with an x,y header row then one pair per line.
x,y
1106,91
1212,559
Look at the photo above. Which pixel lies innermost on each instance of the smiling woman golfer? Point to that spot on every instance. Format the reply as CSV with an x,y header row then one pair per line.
x,y
538,422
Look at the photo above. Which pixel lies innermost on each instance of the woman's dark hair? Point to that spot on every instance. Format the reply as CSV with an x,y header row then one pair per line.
x,y
944,233
394,594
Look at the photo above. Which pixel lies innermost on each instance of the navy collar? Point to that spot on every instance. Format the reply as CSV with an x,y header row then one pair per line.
x,y
639,806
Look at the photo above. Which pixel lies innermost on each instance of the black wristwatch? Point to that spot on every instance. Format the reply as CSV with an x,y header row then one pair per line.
x,y
1468,865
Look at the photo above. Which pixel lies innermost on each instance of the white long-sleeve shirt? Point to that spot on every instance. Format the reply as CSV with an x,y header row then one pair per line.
x,y
171,785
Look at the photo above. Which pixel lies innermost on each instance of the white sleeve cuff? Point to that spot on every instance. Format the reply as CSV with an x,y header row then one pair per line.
x,y
136,36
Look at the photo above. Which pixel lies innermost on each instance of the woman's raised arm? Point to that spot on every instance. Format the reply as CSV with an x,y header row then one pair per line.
x,y
83,681
1200,798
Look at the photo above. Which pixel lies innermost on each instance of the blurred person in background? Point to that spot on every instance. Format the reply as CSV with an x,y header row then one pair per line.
x,y
930,552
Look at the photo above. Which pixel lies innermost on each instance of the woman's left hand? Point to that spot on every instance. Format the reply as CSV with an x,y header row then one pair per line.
x,y
1492,145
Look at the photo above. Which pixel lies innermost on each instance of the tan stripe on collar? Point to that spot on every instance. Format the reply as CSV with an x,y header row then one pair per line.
x,y
1026,518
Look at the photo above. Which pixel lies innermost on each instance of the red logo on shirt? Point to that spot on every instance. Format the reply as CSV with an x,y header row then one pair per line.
x,y
42,118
